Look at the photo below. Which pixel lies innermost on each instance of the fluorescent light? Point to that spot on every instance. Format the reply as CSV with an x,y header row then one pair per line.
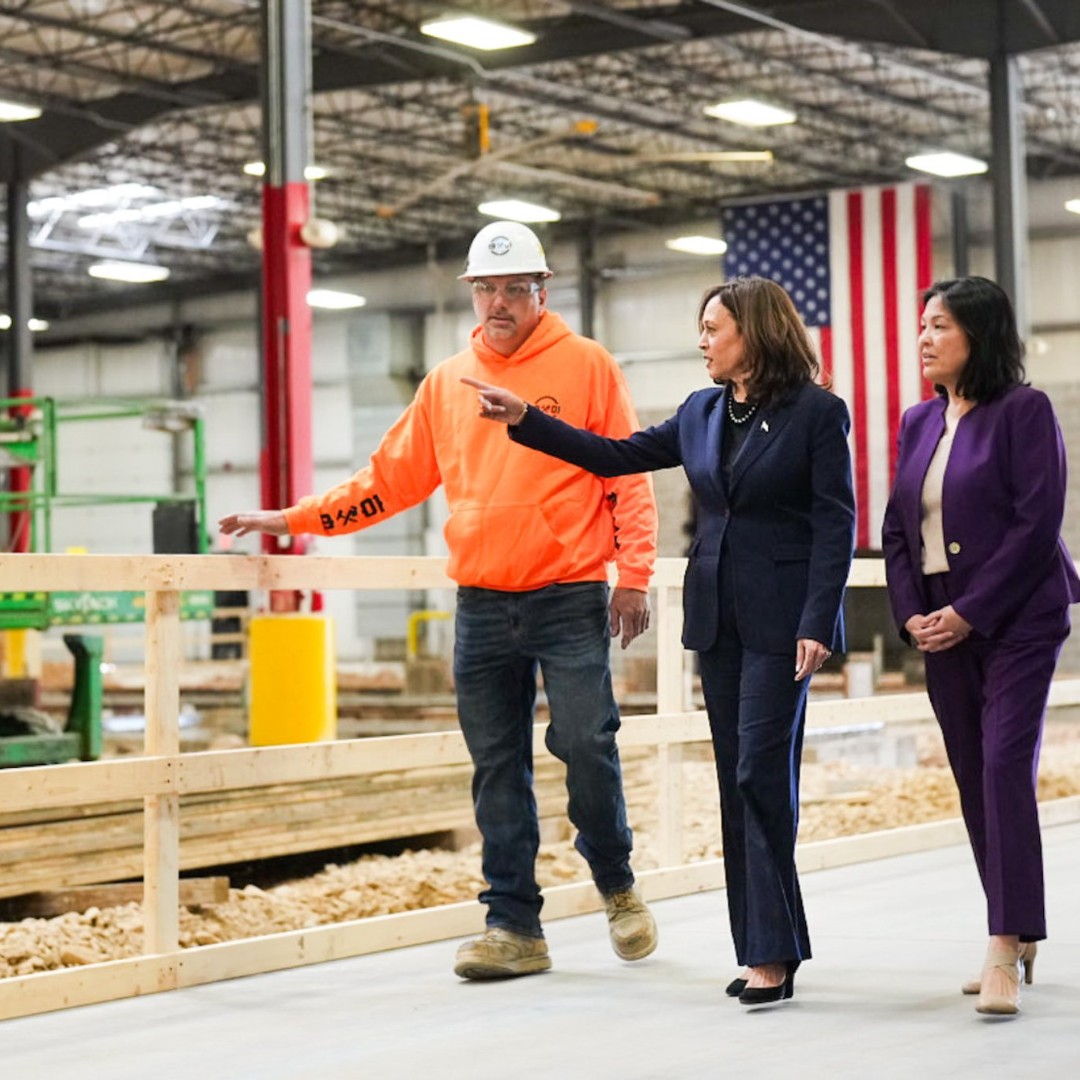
x,y
311,172
171,208
697,245
517,210
1073,205
12,112
35,325
476,33
107,196
135,273
946,163
333,300
750,113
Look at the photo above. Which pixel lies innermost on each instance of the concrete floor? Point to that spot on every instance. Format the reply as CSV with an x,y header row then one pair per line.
x,y
894,939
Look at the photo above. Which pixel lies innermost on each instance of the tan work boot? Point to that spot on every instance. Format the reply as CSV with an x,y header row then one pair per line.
x,y
632,927
501,954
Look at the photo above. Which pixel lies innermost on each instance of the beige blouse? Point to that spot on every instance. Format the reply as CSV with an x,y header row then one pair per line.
x,y
934,559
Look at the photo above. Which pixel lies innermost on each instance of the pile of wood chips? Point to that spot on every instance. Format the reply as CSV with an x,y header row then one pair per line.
x,y
839,798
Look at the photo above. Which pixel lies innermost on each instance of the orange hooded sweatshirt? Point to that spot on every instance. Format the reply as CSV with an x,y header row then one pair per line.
x,y
518,519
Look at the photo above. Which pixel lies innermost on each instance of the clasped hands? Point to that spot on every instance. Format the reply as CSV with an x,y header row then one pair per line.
x,y
939,630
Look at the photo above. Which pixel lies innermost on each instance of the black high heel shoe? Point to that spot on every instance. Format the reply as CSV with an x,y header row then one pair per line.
x,y
766,995
735,987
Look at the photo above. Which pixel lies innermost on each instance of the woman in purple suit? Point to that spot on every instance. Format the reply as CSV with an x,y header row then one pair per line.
x,y
980,582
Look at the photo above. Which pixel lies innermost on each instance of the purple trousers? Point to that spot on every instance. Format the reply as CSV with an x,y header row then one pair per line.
x,y
989,696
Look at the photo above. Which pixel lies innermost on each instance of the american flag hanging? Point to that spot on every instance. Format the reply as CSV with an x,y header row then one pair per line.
x,y
855,262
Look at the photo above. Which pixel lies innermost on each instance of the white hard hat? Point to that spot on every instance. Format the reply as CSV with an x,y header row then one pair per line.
x,y
505,247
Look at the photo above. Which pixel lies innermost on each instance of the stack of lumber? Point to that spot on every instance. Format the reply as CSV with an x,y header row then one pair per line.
x,y
54,849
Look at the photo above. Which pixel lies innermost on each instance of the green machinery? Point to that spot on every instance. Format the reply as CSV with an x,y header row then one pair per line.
x,y
29,438
81,737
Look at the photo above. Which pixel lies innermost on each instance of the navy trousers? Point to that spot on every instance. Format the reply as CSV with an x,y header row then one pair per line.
x,y
989,697
757,714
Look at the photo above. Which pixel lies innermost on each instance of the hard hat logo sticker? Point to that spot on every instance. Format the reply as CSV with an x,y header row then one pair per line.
x,y
499,245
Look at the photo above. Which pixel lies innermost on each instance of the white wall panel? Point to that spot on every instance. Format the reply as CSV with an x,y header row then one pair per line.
x,y
140,370
120,529
643,314
664,384
69,373
232,429
117,455
1053,358
332,434
329,355
230,359
1055,281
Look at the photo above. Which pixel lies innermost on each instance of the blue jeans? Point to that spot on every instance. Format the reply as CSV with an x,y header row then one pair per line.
x,y
501,639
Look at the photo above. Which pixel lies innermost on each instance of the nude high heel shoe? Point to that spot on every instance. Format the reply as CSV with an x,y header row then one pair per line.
x,y
1008,1003
1027,960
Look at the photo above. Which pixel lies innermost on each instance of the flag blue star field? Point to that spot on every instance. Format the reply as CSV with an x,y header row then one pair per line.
x,y
855,262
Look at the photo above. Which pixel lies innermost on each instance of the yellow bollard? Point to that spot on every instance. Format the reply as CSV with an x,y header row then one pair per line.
x,y
293,679
21,654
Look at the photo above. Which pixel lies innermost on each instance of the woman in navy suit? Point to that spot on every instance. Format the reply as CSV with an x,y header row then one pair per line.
x,y
767,457
980,581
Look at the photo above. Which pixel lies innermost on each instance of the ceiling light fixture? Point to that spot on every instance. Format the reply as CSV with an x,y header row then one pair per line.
x,y
518,210
476,33
131,272
1073,206
946,163
80,200
171,208
697,245
11,112
333,300
751,113
35,325
311,172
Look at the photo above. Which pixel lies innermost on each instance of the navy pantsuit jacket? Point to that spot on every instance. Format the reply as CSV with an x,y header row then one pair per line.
x,y
1003,500
786,521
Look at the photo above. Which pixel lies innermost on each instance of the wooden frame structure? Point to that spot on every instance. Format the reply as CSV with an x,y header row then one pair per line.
x,y
162,776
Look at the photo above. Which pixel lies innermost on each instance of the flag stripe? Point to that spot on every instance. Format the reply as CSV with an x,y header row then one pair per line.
x,y
907,315
891,303
875,363
858,361
924,254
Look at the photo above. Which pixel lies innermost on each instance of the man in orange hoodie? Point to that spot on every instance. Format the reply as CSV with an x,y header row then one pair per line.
x,y
529,541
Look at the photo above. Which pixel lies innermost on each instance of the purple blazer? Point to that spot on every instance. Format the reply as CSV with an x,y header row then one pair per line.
x,y
1003,502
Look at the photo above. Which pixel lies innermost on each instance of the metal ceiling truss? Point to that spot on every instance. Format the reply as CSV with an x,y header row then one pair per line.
x,y
165,94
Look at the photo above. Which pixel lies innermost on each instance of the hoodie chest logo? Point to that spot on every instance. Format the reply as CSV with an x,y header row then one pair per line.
x,y
548,405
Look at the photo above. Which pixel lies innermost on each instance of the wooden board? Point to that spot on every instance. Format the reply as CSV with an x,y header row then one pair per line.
x,y
44,905
53,849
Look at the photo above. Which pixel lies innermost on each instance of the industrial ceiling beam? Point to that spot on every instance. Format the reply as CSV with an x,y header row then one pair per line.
x,y
54,139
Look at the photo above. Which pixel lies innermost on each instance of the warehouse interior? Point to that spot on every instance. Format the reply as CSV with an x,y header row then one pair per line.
x,y
148,141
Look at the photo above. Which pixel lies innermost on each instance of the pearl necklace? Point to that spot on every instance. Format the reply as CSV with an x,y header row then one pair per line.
x,y
731,410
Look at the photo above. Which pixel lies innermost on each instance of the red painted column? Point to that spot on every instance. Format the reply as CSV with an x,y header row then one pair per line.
x,y
287,472
286,466
20,482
